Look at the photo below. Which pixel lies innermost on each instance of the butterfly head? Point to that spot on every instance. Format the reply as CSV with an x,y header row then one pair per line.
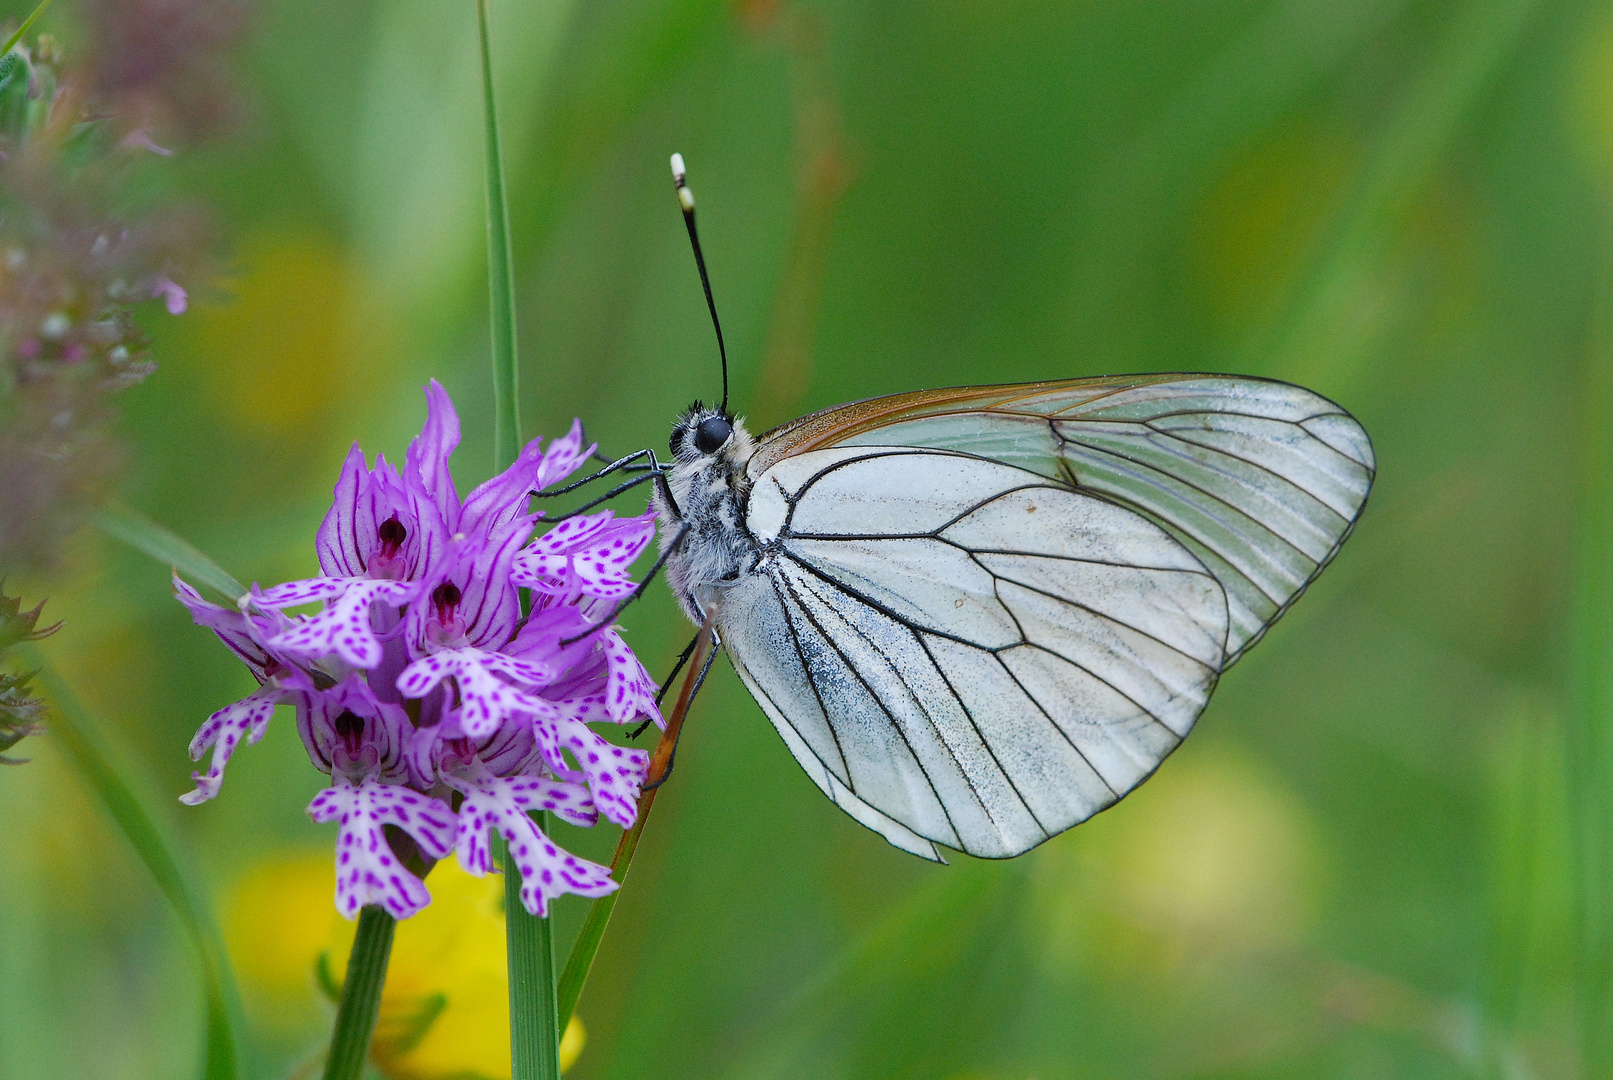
x,y
705,436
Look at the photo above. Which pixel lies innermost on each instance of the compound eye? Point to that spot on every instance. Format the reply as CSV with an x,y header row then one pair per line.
x,y
712,433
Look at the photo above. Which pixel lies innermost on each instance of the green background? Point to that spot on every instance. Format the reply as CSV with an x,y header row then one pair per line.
x,y
1377,855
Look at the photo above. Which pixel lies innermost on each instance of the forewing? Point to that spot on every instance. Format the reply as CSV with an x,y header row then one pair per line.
x,y
1260,480
963,652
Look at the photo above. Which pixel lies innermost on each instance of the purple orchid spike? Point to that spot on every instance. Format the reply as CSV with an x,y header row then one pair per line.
x,y
419,673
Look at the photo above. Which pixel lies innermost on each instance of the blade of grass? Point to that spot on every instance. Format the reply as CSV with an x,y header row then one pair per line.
x,y
1134,200
146,536
500,272
581,960
529,940
529,950
1591,724
923,925
74,731
33,17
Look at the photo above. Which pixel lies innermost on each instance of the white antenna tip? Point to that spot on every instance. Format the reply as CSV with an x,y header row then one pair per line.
x,y
678,172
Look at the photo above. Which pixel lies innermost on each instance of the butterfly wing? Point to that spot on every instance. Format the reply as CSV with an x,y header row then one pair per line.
x,y
985,614
964,652
1262,481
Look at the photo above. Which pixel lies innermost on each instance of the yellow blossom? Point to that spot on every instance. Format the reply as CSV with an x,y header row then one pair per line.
x,y
445,1009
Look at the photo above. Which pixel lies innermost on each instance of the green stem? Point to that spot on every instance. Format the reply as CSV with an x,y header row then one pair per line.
x,y
361,995
500,273
32,18
534,1033
534,1019
583,951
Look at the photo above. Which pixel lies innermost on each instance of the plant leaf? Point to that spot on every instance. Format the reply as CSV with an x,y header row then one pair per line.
x,y
170,549
76,733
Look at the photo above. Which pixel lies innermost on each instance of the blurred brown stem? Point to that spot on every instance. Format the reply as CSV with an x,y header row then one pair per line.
x,y
593,929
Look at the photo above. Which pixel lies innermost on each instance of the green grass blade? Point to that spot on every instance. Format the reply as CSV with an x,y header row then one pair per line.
x,y
168,548
941,910
74,731
500,273
33,17
529,941
1302,341
1591,725
586,947
583,950
529,949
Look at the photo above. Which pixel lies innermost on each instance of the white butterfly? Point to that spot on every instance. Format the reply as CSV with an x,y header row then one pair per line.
x,y
979,616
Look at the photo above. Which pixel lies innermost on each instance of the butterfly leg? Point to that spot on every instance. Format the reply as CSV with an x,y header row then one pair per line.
x,y
660,561
624,486
619,465
700,680
606,460
655,475
666,684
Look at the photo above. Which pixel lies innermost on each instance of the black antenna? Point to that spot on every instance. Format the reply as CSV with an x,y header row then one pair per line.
x,y
686,201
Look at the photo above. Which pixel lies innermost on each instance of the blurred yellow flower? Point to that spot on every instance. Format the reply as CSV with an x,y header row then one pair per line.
x,y
445,1009
282,331
1211,857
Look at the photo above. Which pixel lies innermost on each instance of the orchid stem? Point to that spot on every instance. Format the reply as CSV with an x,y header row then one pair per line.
x,y
76,733
361,995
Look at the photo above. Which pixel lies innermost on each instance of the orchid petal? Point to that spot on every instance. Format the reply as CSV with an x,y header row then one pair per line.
x,y
565,455
426,461
223,731
615,773
244,635
629,690
344,628
337,539
367,872
546,870
296,593
485,700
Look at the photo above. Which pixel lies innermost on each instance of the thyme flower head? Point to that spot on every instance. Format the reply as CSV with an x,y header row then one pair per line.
x,y
19,709
436,706
74,263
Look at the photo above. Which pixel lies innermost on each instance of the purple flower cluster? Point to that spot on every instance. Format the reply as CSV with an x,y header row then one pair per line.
x,y
434,704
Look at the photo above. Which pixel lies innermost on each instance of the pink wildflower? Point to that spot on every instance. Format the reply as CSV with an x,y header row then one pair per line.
x,y
419,677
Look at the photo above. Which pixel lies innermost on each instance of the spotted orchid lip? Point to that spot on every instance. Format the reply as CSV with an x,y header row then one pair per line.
x,y
417,670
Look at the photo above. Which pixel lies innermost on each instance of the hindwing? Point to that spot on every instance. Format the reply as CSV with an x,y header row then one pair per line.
x,y
962,652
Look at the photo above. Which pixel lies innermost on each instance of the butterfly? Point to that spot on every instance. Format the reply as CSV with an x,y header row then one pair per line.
x,y
978,616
